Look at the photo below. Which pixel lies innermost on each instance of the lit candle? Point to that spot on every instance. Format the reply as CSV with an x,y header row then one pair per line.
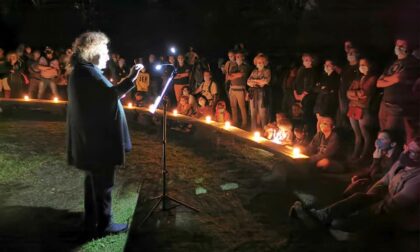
x,y
227,125
296,152
257,136
208,119
130,105
55,99
175,112
26,98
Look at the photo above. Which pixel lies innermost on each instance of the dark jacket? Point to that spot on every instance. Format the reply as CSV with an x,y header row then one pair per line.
x,y
327,94
305,80
96,124
321,147
399,191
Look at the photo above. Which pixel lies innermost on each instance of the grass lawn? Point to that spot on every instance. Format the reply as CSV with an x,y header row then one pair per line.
x,y
243,194
41,198
36,182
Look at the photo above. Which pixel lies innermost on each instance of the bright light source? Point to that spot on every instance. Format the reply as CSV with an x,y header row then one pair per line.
x,y
158,67
152,108
208,119
257,136
130,105
296,152
173,50
175,112
227,125
55,99
26,98
276,141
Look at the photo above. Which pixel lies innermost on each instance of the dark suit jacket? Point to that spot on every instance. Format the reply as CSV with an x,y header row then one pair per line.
x,y
96,124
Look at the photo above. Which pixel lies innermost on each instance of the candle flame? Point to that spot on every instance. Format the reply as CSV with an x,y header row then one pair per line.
x,y
296,152
208,119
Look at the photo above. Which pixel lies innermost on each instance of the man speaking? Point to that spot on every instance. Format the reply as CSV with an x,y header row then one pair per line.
x,y
98,134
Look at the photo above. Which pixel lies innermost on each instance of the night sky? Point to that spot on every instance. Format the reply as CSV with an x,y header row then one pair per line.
x,y
280,28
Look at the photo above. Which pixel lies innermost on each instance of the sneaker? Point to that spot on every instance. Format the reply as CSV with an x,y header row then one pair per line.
x,y
320,215
297,211
341,235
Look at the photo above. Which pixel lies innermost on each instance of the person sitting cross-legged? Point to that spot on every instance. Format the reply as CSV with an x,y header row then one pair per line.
x,y
203,108
325,147
221,114
300,136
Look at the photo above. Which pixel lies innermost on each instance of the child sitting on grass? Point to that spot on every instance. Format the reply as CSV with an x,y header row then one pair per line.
x,y
300,136
183,108
203,108
324,148
221,115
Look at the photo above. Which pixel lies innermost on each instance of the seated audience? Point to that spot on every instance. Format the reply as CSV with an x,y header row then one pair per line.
x,y
391,203
386,153
208,89
221,114
203,109
185,91
324,147
183,107
300,136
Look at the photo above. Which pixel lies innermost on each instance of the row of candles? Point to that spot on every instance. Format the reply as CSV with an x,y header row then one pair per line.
x,y
296,153
26,98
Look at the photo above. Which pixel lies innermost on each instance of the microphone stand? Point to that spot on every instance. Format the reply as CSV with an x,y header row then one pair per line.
x,y
164,198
